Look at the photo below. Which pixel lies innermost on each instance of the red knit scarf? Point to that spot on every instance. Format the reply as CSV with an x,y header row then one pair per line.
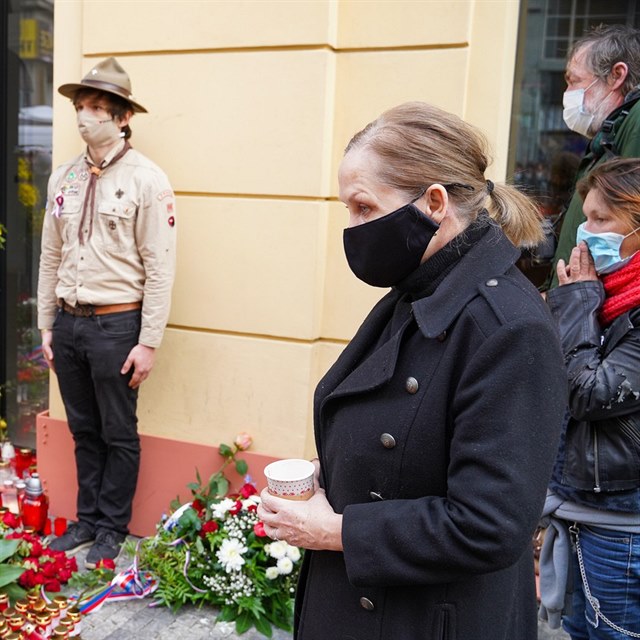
x,y
622,290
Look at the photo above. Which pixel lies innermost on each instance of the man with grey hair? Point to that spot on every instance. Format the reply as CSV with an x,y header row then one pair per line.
x,y
600,103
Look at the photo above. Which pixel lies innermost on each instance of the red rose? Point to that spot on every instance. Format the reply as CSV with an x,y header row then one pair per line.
x,y
11,520
49,569
252,507
36,548
211,526
235,510
258,529
198,506
27,579
248,490
52,586
106,563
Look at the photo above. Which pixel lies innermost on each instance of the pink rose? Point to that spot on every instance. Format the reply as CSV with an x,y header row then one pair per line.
x,y
243,441
258,529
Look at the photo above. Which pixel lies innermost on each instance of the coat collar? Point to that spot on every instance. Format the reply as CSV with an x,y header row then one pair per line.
x,y
491,257
354,372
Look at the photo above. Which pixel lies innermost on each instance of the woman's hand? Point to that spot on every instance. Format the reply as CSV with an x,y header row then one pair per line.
x,y
580,268
310,524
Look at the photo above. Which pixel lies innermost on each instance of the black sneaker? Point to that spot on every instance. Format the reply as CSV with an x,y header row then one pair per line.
x,y
106,547
78,536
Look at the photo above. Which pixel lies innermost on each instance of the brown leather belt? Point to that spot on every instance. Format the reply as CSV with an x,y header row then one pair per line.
x,y
88,310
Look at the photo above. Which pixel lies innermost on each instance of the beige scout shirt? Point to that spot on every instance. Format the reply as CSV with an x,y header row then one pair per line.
x,y
129,255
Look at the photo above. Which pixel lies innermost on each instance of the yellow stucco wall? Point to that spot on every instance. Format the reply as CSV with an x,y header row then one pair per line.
x,y
251,104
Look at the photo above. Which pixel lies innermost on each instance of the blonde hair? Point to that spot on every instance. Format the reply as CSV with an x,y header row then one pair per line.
x,y
419,145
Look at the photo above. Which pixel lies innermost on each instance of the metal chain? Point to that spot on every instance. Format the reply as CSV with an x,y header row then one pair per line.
x,y
587,591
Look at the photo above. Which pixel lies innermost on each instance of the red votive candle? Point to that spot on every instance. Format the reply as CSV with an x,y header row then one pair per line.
x,y
59,526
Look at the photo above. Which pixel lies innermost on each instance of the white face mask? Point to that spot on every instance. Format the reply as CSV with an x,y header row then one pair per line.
x,y
96,132
574,115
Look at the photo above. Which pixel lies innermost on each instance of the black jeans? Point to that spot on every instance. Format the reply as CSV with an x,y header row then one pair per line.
x,y
101,412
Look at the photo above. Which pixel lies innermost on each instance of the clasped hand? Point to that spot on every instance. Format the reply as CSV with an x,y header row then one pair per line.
x,y
580,267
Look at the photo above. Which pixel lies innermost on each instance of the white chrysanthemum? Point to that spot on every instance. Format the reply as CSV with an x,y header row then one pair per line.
x,y
278,549
230,554
220,509
285,566
293,553
272,573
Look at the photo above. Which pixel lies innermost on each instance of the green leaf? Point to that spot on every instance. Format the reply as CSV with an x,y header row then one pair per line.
x,y
225,451
9,573
219,487
14,591
7,548
244,622
226,614
242,467
263,626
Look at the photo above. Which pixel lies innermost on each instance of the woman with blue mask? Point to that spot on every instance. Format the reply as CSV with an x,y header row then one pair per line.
x,y
594,495
437,427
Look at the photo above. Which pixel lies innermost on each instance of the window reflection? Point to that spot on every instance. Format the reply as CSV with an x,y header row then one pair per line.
x,y
29,63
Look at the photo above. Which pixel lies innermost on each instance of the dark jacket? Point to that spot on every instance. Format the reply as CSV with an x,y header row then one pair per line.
x,y
437,448
601,452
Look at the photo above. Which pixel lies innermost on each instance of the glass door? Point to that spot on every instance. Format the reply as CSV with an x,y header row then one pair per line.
x,y
27,75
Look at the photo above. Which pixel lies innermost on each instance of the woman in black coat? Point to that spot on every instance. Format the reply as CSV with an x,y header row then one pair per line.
x,y
437,427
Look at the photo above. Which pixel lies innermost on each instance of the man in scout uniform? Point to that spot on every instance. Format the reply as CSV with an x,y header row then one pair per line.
x,y
106,271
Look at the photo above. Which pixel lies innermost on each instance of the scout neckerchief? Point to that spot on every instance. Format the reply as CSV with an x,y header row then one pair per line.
x,y
90,194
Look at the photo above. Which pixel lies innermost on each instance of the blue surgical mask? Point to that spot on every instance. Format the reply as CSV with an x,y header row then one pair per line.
x,y
604,249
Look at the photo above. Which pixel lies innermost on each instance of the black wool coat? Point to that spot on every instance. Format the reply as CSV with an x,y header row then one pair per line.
x,y
437,448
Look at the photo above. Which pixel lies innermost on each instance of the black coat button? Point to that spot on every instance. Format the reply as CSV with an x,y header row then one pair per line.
x,y
442,337
388,441
365,603
411,385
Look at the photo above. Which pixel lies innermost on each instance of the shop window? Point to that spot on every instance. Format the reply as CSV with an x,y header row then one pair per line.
x,y
26,56
544,153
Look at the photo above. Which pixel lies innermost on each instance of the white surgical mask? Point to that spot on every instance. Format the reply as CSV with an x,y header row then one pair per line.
x,y
604,249
96,132
574,115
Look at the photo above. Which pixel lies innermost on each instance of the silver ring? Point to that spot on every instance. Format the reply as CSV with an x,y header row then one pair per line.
x,y
275,534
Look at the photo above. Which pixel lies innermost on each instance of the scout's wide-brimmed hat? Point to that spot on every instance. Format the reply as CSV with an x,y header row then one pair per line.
x,y
107,76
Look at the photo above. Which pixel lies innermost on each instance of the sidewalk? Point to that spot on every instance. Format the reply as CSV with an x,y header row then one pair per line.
x,y
134,619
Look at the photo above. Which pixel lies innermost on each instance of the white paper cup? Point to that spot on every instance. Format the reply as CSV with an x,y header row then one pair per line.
x,y
290,478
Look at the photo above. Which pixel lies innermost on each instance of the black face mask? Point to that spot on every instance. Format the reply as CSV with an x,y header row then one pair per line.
x,y
386,250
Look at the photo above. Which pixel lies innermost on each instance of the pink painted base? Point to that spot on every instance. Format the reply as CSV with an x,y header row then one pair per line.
x,y
166,467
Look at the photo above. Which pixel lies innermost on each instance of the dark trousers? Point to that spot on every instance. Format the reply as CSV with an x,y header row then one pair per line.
x,y
101,412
